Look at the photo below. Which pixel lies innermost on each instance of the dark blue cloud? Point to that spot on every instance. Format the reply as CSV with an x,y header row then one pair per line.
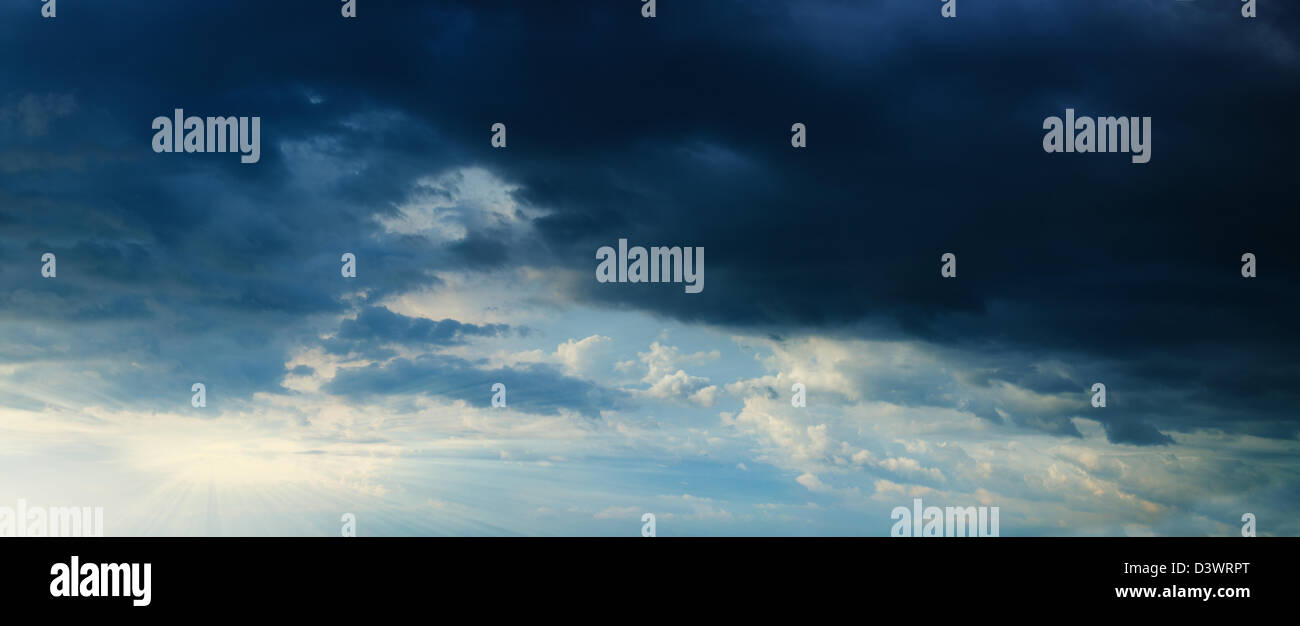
x,y
377,326
924,138
531,388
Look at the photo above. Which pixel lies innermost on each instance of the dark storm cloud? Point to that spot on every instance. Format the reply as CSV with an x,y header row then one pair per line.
x,y
924,138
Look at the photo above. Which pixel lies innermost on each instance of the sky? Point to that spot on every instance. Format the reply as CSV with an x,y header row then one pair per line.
x,y
476,265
